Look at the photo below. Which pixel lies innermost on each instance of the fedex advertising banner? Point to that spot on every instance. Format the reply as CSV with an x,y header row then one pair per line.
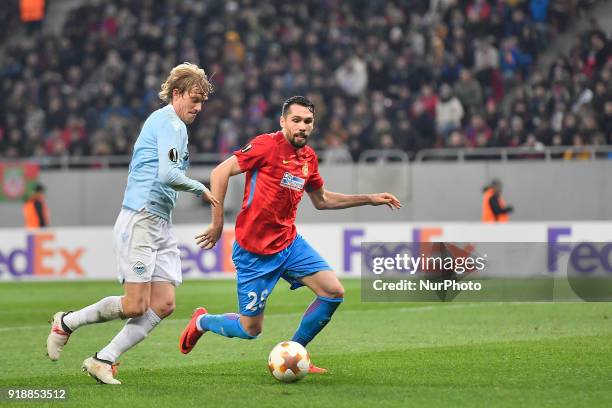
x,y
87,252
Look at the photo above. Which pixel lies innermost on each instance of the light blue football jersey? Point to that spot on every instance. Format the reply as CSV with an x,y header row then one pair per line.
x,y
158,165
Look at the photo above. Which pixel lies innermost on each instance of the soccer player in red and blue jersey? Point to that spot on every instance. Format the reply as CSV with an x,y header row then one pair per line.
x,y
279,168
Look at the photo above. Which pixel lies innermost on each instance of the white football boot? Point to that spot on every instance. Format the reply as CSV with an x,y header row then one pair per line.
x,y
58,337
103,371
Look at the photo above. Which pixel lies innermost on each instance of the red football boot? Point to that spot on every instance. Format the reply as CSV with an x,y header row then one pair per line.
x,y
191,334
313,369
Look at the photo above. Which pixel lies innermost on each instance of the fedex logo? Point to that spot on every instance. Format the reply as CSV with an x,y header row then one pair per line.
x,y
354,237
41,258
584,257
219,259
206,261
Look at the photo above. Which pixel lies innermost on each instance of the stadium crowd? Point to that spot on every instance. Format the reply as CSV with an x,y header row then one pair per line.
x,y
408,74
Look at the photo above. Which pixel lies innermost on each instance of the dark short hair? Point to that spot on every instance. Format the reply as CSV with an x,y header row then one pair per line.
x,y
297,100
39,187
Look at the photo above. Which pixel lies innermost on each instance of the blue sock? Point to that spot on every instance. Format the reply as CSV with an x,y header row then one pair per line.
x,y
227,325
315,318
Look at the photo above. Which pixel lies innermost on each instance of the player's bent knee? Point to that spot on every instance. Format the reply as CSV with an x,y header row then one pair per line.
x,y
253,331
135,311
169,309
166,309
134,308
335,292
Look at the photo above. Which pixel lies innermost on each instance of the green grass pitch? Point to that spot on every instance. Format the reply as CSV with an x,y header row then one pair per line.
x,y
378,354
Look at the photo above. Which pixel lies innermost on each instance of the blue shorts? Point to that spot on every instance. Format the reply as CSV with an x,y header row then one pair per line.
x,y
257,275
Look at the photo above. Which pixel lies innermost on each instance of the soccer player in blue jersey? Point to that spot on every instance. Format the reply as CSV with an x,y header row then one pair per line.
x,y
279,168
146,248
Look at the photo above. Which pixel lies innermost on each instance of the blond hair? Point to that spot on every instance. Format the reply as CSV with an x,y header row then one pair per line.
x,y
185,77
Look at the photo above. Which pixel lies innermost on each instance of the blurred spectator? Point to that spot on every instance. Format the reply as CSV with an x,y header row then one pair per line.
x,y
477,132
494,208
336,152
539,10
379,70
449,111
478,13
469,92
533,143
514,62
577,151
456,140
352,77
424,124
35,210
606,121
486,64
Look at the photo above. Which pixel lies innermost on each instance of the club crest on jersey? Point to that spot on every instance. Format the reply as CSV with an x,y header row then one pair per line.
x,y
305,169
293,182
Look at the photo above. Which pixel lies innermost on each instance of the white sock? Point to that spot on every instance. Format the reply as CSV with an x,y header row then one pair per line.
x,y
134,331
109,308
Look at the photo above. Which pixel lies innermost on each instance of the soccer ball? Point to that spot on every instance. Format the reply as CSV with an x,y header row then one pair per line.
x,y
289,361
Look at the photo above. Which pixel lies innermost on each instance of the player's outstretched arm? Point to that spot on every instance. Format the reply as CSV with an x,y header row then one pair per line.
x,y
219,179
328,200
169,170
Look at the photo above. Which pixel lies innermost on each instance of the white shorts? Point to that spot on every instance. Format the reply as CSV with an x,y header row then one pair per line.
x,y
146,248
